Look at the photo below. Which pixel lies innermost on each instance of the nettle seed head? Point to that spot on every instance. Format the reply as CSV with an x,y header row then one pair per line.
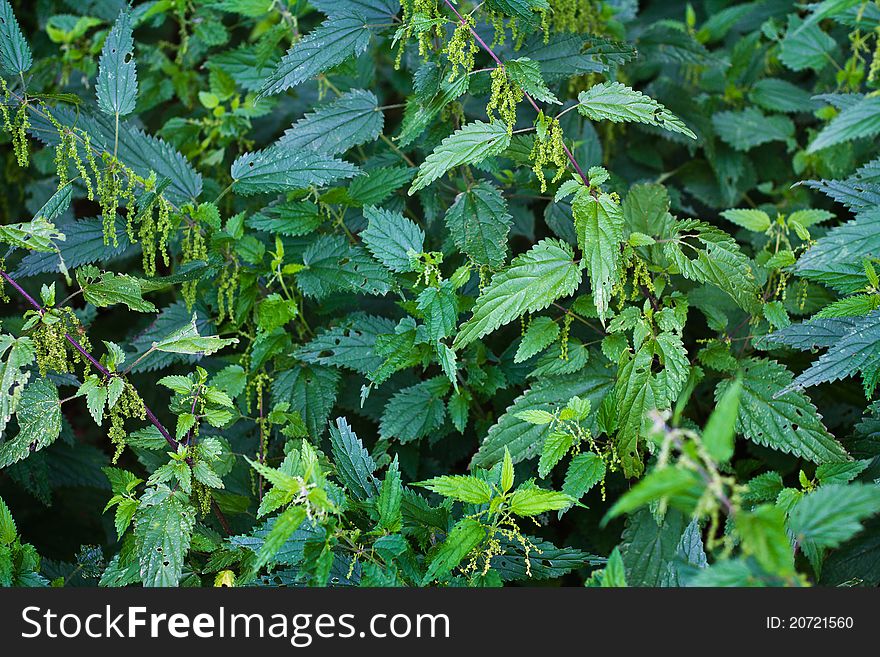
x,y
548,149
461,48
504,98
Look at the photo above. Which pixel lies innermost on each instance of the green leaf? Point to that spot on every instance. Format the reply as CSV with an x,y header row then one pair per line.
x,y
16,355
754,220
283,528
39,422
117,86
585,471
599,226
350,344
540,334
163,528
532,282
781,96
527,74
555,447
680,486
103,289
459,487
534,501
282,168
613,101
36,235
805,46
333,264
440,308
8,531
832,514
774,415
706,254
310,391
763,536
836,258
479,223
330,44
354,466
392,238
720,429
416,411
187,340
464,537
15,53
390,496
859,120
470,144
749,128
856,351
352,119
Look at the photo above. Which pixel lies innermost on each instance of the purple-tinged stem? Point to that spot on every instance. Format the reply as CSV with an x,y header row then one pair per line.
x,y
172,442
492,54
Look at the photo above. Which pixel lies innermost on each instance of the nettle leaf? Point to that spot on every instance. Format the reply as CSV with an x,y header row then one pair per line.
x,y
706,254
613,101
750,128
310,391
599,226
464,537
857,121
832,514
117,86
416,411
522,438
527,74
479,223
354,465
856,351
39,422
541,333
585,471
459,487
805,46
282,168
440,308
291,218
16,355
352,119
36,235
163,528
534,501
103,289
187,340
351,344
392,238
334,264
335,40
378,184
781,96
470,144
15,53
533,281
836,258
774,415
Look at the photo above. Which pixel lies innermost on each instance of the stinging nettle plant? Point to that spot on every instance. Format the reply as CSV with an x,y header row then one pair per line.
x,y
380,293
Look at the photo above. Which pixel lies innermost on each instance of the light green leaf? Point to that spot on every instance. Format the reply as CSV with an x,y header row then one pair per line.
x,y
15,355
39,422
613,101
391,238
464,537
832,514
585,471
720,428
533,281
459,487
479,223
187,340
755,220
163,528
534,501
470,144
599,226
542,332
103,289
117,86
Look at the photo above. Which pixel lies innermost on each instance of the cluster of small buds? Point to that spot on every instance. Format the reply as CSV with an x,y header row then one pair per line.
x,y
641,278
227,286
548,149
16,126
578,16
427,10
564,336
504,98
496,20
461,48
129,405
193,247
52,350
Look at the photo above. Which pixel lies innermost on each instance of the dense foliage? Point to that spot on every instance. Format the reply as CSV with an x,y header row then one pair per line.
x,y
360,292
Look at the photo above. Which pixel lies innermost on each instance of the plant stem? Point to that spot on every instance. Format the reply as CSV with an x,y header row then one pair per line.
x,y
172,442
534,105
